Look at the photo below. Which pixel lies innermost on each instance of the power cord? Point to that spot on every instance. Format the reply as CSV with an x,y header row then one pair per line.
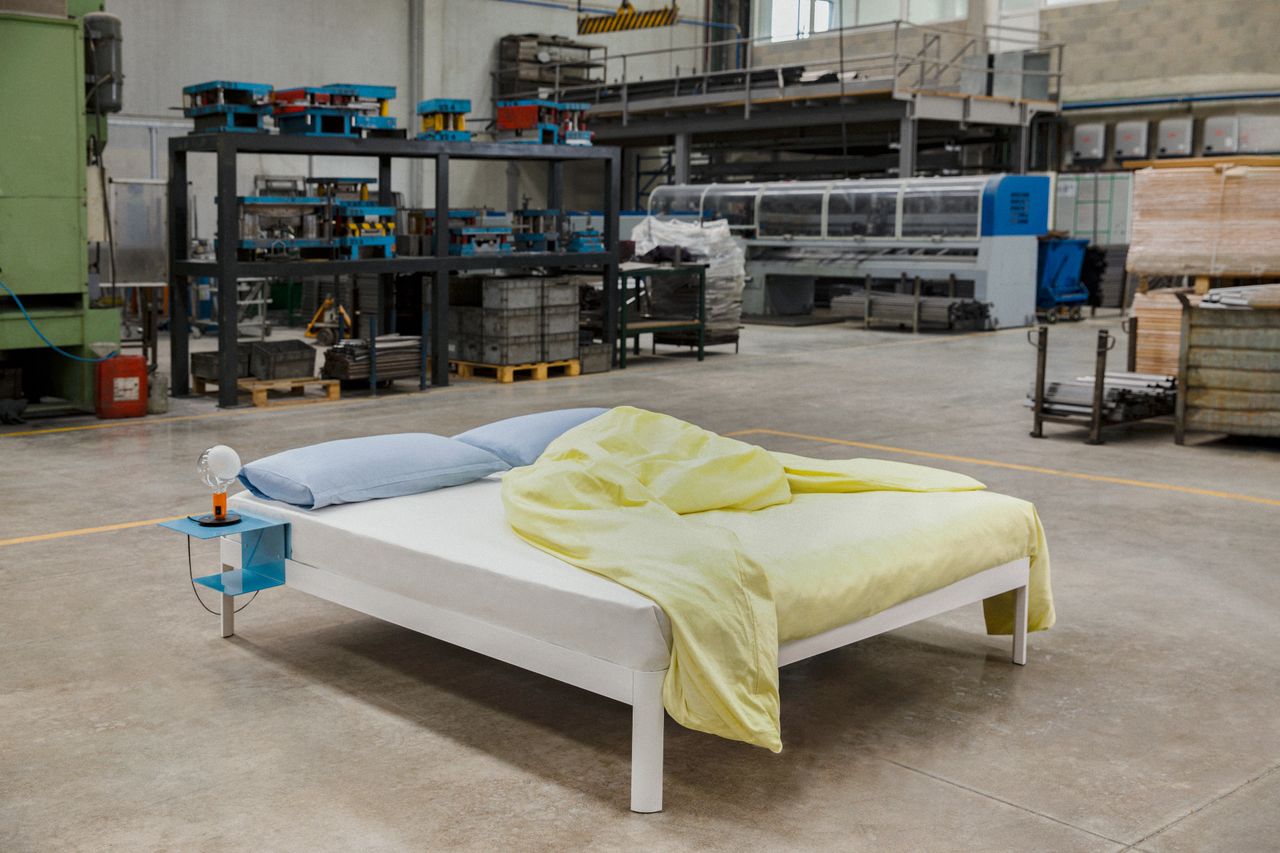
x,y
191,575
59,350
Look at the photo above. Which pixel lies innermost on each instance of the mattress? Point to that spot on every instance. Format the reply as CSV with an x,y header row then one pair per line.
x,y
453,549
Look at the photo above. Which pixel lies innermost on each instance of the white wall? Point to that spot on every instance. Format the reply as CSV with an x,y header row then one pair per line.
x,y
169,44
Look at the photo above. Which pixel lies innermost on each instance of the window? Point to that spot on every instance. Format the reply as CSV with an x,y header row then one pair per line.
x,y
933,11
787,20
797,19
1016,6
876,11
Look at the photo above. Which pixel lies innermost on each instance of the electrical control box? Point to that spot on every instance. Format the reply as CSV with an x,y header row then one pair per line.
x,y
1259,134
1173,137
1088,142
1221,134
1131,141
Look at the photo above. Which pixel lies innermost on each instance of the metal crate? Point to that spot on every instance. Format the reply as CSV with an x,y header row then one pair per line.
x,y
560,347
512,293
204,365
594,357
558,293
282,359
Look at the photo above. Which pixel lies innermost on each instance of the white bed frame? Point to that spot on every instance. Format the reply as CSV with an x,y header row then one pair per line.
x,y
640,689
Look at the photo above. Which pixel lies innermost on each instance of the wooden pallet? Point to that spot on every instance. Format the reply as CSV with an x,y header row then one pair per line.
x,y
506,373
259,389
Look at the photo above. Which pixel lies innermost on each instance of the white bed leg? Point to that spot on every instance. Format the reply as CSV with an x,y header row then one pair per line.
x,y
228,610
647,718
1020,626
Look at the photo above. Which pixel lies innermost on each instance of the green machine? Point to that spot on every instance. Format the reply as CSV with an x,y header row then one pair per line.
x,y
54,125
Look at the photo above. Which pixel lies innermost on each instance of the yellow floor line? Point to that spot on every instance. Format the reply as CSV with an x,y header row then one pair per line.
x,y
1013,466
83,531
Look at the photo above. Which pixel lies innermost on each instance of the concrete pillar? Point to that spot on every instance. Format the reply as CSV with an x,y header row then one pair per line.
x,y
682,158
907,146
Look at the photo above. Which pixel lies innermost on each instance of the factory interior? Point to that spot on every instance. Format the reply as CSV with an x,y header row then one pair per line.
x,y
640,426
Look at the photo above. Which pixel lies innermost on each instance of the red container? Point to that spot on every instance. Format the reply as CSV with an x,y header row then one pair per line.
x,y
521,117
122,387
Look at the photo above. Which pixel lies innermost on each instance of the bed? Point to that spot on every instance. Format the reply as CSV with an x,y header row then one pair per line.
x,y
447,564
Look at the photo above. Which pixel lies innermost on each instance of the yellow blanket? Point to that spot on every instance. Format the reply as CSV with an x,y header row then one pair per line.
x,y
744,549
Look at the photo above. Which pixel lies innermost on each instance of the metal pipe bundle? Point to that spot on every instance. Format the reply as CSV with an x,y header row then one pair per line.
x,y
399,356
1125,396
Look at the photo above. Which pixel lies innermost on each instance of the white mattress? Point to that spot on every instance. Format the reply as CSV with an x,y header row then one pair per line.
x,y
452,548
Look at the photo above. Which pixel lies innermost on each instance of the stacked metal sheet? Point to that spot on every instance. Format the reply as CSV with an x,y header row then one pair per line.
x,y
1249,296
940,311
1125,396
399,357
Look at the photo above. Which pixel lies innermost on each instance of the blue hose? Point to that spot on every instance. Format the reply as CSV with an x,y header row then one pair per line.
x,y
59,350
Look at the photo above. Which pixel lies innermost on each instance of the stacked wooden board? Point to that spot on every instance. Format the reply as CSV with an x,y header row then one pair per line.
x,y
1159,316
1206,221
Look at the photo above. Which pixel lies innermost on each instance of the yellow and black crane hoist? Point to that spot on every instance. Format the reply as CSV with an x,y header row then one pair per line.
x,y
627,18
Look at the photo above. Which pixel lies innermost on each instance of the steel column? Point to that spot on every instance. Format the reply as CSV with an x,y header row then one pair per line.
x,y
682,158
228,238
179,217
907,146
612,197
440,285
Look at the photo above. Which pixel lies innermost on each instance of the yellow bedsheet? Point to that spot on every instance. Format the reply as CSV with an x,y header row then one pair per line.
x,y
744,549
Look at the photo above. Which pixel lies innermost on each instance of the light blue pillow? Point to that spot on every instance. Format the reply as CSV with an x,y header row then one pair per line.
x,y
521,440
351,470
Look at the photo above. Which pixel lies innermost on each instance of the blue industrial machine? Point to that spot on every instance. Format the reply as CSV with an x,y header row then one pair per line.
x,y
471,231
586,240
333,220
535,229
976,238
224,106
537,121
444,120
1058,284
338,109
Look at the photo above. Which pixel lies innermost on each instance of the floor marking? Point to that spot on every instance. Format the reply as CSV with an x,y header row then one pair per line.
x,y
83,531
1014,466
221,413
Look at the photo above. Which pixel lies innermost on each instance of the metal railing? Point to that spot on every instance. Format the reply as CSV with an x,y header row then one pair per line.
x,y
905,57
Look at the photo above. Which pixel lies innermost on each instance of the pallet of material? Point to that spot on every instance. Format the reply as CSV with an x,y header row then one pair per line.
x,y
260,390
1205,221
1159,316
507,373
1231,371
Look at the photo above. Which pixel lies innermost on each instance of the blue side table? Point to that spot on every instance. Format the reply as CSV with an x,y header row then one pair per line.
x,y
264,548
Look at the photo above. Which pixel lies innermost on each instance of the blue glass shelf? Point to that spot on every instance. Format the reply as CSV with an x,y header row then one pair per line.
x,y
239,582
264,549
248,523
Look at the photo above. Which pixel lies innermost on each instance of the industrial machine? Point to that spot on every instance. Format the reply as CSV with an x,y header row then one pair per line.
x,y
444,120
536,121
338,109
535,229
325,218
976,237
471,231
63,75
223,106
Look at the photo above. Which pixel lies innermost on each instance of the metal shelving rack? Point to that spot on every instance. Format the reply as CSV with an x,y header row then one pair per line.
x,y
440,265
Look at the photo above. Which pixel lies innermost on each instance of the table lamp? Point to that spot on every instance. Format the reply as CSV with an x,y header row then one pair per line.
x,y
218,467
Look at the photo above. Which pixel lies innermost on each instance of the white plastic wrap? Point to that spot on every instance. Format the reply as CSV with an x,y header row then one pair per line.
x,y
710,243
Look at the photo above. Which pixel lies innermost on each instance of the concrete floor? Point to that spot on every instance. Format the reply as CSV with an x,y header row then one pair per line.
x,y
1147,718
